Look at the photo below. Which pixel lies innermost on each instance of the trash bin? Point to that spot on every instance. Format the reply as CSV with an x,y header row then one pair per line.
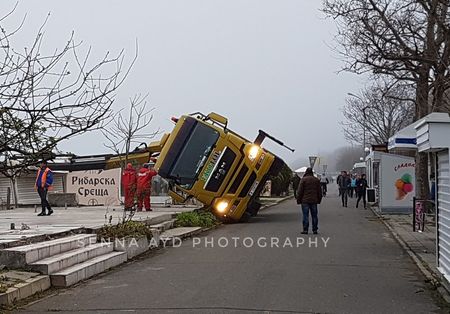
x,y
371,196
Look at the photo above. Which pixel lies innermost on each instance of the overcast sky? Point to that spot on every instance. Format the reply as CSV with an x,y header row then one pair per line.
x,y
263,64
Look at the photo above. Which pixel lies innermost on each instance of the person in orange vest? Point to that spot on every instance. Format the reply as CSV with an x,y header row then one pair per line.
x,y
144,185
44,181
129,186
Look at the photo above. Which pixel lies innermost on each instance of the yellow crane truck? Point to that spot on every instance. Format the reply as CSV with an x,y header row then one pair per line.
x,y
202,158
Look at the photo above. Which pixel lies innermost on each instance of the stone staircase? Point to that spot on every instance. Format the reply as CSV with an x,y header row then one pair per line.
x,y
67,260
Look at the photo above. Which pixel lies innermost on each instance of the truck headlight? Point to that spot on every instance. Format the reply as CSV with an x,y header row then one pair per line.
x,y
222,206
253,152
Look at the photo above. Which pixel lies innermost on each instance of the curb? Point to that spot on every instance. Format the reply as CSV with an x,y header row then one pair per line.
x,y
277,202
430,276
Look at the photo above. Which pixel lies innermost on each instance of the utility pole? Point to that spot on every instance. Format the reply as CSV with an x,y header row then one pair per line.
x,y
364,123
364,131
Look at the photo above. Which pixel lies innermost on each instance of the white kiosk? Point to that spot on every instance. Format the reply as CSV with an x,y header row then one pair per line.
x,y
393,178
433,135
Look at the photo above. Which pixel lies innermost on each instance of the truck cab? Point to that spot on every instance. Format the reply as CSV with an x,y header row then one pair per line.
x,y
224,171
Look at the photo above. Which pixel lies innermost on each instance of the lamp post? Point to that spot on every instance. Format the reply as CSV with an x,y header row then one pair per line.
x,y
364,131
365,121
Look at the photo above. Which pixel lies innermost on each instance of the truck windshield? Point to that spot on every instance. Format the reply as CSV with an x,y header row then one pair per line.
x,y
193,154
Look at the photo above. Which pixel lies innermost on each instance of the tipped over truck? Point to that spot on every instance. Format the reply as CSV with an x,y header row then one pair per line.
x,y
201,158
220,168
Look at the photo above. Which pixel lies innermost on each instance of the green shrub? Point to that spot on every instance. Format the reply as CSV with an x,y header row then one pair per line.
x,y
200,218
122,230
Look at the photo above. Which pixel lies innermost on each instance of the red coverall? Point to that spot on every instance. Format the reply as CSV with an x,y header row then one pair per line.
x,y
144,187
129,185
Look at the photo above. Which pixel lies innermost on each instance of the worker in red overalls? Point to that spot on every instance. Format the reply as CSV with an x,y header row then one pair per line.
x,y
129,186
144,185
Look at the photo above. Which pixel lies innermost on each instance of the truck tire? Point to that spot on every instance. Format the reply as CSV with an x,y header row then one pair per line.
x,y
245,217
276,167
254,207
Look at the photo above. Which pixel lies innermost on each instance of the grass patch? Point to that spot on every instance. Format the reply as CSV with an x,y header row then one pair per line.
x,y
198,218
126,229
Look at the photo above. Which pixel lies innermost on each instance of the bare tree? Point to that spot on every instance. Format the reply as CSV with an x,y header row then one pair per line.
x,y
48,98
346,157
377,113
407,40
130,128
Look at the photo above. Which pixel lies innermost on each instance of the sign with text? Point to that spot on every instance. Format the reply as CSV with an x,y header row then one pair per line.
x,y
95,187
312,161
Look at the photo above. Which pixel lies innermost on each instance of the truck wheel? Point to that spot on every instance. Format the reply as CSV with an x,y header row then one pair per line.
x,y
254,208
276,167
245,217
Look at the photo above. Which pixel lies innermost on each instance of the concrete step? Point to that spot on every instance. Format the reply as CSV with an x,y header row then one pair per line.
x,y
170,237
21,256
158,219
25,289
58,262
71,275
166,225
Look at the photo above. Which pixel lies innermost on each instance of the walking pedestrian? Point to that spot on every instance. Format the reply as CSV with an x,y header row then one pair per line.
x,y
309,195
323,183
44,181
344,184
338,179
144,186
361,188
352,189
129,186
295,183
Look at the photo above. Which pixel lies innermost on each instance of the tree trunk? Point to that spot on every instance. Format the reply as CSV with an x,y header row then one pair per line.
x,y
422,184
422,109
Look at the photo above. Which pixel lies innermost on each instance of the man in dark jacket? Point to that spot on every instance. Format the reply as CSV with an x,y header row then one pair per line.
x,y
361,188
309,195
344,183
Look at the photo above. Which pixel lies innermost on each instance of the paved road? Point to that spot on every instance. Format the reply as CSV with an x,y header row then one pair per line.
x,y
361,270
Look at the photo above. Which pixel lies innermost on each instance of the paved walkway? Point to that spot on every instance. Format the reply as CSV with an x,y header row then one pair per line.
x,y
72,218
423,244
360,269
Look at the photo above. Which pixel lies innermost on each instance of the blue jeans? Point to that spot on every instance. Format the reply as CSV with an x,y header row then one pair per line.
x,y
306,208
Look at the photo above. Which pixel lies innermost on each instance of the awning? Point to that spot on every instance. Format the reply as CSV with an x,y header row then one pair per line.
x,y
359,165
301,171
407,138
404,139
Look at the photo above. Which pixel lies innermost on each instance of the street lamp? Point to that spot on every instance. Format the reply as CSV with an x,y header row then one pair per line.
x,y
365,120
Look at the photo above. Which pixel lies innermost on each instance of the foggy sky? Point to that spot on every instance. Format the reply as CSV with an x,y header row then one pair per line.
x,y
263,64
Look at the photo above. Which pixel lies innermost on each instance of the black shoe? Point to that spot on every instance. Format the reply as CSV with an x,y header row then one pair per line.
x,y
304,232
314,232
41,214
50,211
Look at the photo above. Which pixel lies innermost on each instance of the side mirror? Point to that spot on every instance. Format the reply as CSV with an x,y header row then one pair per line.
x,y
218,118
